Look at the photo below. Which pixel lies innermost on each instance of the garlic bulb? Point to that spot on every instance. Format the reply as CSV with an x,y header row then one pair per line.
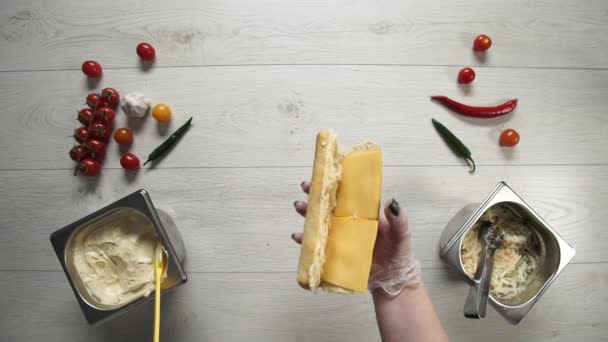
x,y
136,105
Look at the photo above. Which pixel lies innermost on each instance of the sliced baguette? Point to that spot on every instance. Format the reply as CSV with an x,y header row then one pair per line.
x,y
321,203
336,251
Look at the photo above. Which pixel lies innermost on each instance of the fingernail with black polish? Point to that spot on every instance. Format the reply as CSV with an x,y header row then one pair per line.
x,y
302,184
394,208
293,236
295,204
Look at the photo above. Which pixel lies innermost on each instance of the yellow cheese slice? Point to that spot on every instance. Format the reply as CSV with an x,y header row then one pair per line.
x,y
354,225
349,252
359,191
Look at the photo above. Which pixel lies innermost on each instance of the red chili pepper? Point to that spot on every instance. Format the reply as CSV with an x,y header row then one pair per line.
x,y
477,112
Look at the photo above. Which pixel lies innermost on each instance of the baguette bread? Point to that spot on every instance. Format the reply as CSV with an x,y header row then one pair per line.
x,y
341,218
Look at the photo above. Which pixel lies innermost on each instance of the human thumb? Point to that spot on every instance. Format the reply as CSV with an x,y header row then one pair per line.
x,y
398,268
397,221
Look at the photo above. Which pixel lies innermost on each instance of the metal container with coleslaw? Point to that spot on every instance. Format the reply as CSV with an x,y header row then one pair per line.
x,y
529,259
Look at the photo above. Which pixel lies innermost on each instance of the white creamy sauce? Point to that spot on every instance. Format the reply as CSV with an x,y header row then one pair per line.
x,y
115,262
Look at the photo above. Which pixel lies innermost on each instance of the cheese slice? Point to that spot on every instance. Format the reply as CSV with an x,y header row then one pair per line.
x,y
354,225
349,250
359,191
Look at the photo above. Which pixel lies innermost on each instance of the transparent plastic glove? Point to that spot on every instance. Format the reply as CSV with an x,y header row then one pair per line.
x,y
393,265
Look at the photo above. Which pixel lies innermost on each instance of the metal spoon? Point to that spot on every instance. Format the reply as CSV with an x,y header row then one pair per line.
x,y
477,299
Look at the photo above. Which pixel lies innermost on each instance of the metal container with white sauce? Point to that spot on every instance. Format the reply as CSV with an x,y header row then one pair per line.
x,y
555,253
134,210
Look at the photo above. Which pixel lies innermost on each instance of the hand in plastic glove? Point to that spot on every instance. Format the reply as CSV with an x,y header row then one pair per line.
x,y
393,266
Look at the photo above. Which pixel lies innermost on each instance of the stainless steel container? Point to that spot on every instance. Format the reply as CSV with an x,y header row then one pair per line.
x,y
136,208
555,252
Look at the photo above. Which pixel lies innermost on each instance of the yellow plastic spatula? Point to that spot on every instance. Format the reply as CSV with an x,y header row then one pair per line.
x,y
159,262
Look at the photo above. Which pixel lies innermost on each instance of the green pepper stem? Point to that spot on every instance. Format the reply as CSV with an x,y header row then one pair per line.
x,y
472,166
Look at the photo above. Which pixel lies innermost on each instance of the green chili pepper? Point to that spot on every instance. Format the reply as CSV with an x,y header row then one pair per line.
x,y
169,143
455,144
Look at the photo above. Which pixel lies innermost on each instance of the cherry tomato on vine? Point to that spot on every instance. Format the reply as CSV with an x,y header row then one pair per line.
x,y
85,116
81,134
94,101
79,152
89,167
92,69
146,51
482,43
123,136
111,97
129,161
509,137
99,130
104,115
466,75
97,147
161,112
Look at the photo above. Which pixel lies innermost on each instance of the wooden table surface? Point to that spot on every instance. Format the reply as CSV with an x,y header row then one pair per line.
x,y
261,78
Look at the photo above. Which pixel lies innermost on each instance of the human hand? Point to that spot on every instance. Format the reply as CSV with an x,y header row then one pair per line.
x,y
393,265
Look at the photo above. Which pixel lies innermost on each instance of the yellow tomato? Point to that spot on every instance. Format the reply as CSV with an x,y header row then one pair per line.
x,y
161,112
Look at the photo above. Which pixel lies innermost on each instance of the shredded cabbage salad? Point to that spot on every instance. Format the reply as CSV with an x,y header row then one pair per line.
x,y
515,261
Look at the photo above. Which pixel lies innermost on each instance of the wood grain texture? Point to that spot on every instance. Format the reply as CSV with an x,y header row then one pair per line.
x,y
271,307
261,78
38,34
239,220
269,116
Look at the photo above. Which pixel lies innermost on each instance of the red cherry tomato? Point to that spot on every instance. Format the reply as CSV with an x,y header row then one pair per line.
x,y
129,161
85,116
89,167
482,43
94,101
111,97
104,115
92,69
509,137
146,51
79,152
99,130
97,147
81,134
466,75
123,136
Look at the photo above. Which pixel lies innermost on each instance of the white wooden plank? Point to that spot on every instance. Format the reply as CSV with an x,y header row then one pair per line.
x,y
269,116
38,34
241,219
271,307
